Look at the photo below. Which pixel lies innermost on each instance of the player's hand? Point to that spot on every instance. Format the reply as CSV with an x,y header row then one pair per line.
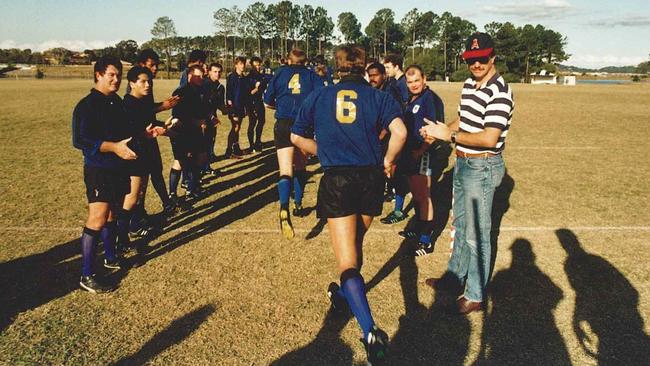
x,y
150,132
435,130
389,168
122,150
170,102
160,131
229,102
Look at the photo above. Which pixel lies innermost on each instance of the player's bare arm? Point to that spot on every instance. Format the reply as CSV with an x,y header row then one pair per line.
x,y
395,144
487,138
305,144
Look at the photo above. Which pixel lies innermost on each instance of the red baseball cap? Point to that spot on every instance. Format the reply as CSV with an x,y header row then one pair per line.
x,y
478,45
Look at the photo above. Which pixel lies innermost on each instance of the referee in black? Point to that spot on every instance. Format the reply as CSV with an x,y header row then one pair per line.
x,y
100,130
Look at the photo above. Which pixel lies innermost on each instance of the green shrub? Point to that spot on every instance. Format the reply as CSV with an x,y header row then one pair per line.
x,y
39,74
460,75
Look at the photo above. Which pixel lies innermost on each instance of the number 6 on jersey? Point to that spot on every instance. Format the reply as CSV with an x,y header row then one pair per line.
x,y
346,110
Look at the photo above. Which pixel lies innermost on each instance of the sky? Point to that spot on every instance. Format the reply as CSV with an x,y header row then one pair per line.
x,y
600,33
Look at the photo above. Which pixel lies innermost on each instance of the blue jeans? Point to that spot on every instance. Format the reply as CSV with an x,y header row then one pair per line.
x,y
475,180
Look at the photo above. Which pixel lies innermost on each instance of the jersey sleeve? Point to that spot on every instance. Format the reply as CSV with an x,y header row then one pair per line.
x,y
304,122
431,111
230,88
269,93
82,136
390,110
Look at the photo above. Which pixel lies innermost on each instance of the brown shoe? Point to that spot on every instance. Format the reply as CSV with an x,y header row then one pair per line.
x,y
445,284
464,306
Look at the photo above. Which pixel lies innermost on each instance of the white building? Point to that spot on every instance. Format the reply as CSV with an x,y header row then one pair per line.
x,y
543,77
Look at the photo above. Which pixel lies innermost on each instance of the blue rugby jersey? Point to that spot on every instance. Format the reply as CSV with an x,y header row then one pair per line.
x,y
288,89
346,119
98,118
403,88
238,92
423,106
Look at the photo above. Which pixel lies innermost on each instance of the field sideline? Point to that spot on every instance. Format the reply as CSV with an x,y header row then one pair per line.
x,y
222,287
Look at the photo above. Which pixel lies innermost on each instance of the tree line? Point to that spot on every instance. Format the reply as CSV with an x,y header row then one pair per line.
x,y
434,41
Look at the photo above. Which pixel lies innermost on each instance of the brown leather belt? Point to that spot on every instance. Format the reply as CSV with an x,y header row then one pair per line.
x,y
483,155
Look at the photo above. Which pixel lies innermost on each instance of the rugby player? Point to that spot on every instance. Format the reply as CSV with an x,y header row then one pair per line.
x,y
138,108
100,130
139,224
237,100
257,115
214,94
340,124
188,136
417,160
285,93
196,57
393,64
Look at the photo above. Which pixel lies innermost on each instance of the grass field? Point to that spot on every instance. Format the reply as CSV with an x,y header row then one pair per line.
x,y
221,286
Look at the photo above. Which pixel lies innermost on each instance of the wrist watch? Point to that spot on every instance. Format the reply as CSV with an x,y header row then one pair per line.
x,y
453,136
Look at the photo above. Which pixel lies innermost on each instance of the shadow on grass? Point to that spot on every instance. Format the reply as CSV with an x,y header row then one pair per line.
x,y
606,306
521,329
175,333
35,280
32,281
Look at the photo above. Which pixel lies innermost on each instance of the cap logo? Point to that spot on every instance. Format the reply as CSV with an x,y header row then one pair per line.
x,y
475,44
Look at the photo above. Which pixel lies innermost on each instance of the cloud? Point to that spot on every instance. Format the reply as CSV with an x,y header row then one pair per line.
x,y
73,45
598,61
628,21
533,10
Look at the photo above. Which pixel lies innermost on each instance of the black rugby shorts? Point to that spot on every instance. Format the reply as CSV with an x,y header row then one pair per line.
x,y
282,133
106,185
344,191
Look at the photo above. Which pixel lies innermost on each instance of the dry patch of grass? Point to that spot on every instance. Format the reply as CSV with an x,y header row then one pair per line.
x,y
222,286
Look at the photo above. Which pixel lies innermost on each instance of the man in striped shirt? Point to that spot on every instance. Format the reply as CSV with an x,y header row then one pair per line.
x,y
479,133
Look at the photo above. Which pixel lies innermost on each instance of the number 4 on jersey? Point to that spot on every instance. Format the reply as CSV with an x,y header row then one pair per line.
x,y
294,84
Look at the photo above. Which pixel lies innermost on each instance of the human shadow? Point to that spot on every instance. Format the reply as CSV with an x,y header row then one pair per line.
x,y
520,329
500,205
426,336
606,306
175,333
327,348
31,281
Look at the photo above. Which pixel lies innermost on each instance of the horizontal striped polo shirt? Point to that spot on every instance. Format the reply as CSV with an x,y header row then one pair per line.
x,y
488,106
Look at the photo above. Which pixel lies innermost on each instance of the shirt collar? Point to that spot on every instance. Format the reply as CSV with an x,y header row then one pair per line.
x,y
354,78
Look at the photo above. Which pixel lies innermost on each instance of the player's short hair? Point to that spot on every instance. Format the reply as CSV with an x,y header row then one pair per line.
x,y
256,59
147,54
190,70
395,59
412,69
136,71
320,59
350,58
104,62
215,64
297,56
240,59
377,66
197,55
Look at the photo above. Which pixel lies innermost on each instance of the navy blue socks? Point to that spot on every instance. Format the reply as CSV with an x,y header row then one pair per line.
x,y
354,290
174,179
284,190
299,181
123,220
109,237
88,244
